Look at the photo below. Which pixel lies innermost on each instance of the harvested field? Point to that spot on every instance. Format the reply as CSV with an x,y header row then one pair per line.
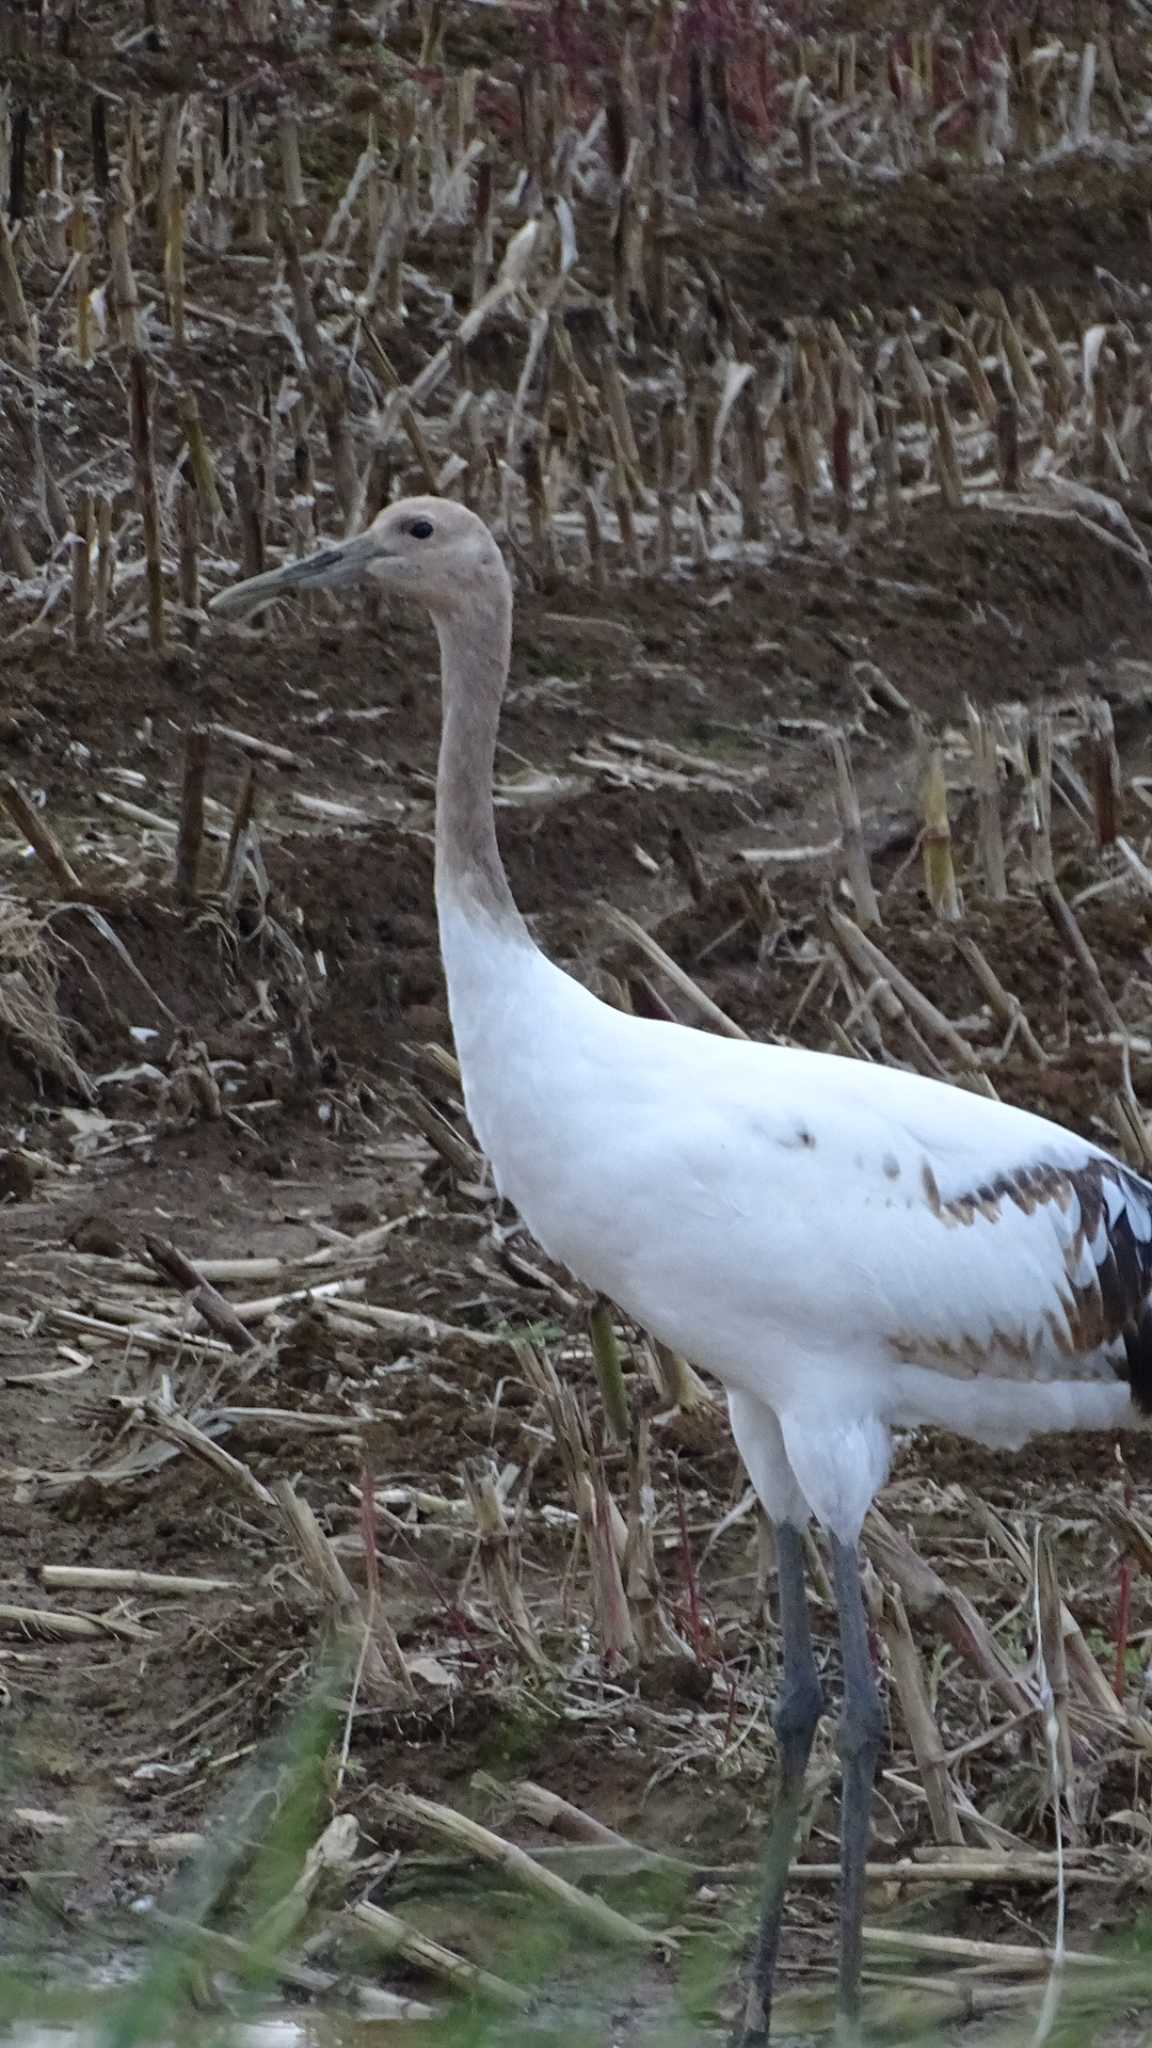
x,y
804,369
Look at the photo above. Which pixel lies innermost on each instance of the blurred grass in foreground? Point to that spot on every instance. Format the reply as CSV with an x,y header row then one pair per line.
x,y
222,1958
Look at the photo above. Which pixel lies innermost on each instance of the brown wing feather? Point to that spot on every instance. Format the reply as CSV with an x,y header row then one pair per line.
x,y
1107,1300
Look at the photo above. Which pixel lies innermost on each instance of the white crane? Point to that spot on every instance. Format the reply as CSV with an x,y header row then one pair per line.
x,y
848,1248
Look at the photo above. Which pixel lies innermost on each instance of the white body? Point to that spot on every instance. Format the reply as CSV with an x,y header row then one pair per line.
x,y
780,1218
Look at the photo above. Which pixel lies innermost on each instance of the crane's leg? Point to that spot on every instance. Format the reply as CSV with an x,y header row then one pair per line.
x,y
861,1735
798,1708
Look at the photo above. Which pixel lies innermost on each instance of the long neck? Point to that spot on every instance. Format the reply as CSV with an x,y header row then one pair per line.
x,y
475,647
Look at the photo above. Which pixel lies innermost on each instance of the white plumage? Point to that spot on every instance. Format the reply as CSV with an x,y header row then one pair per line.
x,y
849,1248
782,1218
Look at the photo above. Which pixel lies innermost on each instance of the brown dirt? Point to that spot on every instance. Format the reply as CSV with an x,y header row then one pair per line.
x,y
946,236
742,667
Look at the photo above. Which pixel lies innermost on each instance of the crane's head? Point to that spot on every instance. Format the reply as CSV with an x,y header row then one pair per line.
x,y
429,549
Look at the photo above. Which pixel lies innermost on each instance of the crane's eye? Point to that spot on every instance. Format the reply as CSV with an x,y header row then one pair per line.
x,y
420,529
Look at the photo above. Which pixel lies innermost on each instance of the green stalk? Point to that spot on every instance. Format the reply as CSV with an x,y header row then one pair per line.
x,y
609,1370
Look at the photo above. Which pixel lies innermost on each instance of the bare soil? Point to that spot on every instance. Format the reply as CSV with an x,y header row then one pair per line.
x,y
743,668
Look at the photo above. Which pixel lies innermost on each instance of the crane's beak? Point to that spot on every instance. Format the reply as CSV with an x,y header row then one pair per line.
x,y
346,562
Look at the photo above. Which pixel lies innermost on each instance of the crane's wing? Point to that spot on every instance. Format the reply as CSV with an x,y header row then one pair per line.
x,y
914,1222
1078,1248
1002,1243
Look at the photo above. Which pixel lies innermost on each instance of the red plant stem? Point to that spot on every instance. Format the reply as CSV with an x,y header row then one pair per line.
x,y
689,1575
730,1719
368,1529
1123,1615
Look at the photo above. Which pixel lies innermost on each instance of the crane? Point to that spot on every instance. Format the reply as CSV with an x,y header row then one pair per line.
x,y
848,1248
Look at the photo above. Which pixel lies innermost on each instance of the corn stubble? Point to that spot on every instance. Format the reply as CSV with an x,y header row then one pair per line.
x,y
619,415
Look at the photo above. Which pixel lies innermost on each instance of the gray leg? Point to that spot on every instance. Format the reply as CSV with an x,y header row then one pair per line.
x,y
861,1736
798,1709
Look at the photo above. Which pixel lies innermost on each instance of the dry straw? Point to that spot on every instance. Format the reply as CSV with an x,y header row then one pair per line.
x,y
621,416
